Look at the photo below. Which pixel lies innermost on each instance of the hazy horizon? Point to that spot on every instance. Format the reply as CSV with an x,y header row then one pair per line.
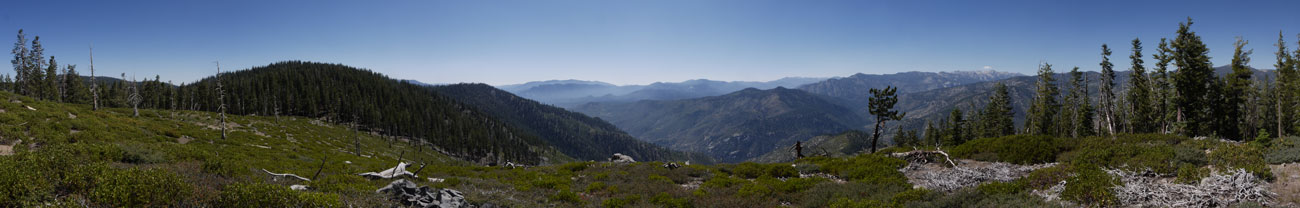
x,y
631,42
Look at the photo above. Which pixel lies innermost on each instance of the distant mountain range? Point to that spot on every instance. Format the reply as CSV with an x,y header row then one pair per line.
x,y
570,93
732,127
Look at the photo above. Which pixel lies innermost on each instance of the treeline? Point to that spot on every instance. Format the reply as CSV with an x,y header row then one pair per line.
x,y
1182,95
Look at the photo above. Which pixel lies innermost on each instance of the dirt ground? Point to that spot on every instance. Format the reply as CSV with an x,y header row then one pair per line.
x,y
1287,185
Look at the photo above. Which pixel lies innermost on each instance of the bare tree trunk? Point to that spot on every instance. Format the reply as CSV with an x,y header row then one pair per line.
x,y
221,97
94,87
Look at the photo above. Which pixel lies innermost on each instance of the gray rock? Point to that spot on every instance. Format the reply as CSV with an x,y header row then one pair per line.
x,y
620,158
410,194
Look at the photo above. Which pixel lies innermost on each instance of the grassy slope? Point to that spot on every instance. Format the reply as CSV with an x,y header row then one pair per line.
x,y
289,145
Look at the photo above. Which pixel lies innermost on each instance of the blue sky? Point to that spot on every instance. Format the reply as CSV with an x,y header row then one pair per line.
x,y
630,42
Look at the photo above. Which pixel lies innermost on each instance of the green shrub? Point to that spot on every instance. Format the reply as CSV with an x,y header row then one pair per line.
x,y
566,196
748,170
270,195
723,182
998,187
594,187
915,194
1091,186
867,168
1048,177
1138,152
1018,149
662,199
1190,174
137,187
21,184
617,202
659,178
1245,156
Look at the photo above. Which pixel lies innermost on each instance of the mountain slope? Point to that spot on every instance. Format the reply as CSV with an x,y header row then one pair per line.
x,y
855,88
345,94
830,145
574,134
732,127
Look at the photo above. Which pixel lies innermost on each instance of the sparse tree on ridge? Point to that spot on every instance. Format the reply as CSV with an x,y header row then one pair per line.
x,y
881,105
21,63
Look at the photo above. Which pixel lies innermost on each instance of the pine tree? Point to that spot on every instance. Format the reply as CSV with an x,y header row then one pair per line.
x,y
21,63
1107,102
1192,81
35,75
996,118
76,88
881,105
51,82
1237,87
1078,113
1286,81
1139,93
956,134
1044,110
1162,89
932,134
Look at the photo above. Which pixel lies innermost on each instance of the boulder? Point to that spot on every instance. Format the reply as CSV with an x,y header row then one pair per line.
x,y
620,158
672,165
409,194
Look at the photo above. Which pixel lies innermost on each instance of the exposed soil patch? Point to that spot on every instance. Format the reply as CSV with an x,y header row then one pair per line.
x,y
1287,185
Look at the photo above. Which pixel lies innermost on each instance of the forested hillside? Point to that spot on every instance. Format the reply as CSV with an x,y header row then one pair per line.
x,y
574,134
345,94
732,127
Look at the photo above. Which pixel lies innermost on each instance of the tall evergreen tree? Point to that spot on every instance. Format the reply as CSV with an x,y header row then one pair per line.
x,y
1237,86
1139,93
1193,81
957,132
996,118
1286,82
76,88
1107,102
50,85
881,105
21,63
1163,89
1043,112
933,136
35,75
1078,112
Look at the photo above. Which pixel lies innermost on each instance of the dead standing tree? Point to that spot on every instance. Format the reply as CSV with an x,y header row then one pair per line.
x,y
94,87
221,100
134,97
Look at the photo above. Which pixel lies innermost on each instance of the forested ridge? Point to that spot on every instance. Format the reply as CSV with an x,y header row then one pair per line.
x,y
577,135
344,94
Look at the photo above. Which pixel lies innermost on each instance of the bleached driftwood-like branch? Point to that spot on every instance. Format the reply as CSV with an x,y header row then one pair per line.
x,y
285,175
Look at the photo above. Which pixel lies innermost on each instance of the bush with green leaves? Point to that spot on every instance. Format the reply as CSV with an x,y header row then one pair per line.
x,y
1092,186
138,187
1244,156
270,195
1018,149
1283,150
866,168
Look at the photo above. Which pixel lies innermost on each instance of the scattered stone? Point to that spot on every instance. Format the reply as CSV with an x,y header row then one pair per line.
x,y
184,139
71,116
672,165
394,172
347,162
298,187
620,158
410,194
30,108
436,180
9,149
